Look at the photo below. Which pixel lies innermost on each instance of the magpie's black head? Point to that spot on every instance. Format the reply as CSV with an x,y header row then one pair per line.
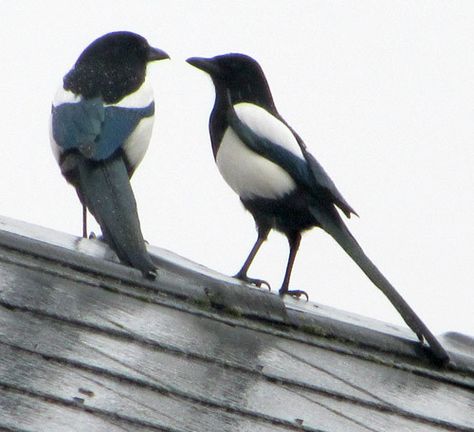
x,y
237,76
112,66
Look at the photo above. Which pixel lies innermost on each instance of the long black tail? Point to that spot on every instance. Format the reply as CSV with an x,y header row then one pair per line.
x,y
338,230
106,190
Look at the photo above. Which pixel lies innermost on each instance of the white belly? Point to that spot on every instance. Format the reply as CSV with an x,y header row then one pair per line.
x,y
249,174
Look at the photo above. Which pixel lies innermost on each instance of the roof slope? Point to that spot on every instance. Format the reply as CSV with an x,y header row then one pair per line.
x,y
87,344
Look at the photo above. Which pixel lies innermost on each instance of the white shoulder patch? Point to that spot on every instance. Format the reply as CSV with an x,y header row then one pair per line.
x,y
64,96
137,144
140,98
268,126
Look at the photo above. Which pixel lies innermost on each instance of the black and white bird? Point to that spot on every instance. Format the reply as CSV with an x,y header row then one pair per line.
x,y
101,124
282,185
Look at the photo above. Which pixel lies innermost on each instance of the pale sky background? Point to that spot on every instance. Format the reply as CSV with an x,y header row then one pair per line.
x,y
382,92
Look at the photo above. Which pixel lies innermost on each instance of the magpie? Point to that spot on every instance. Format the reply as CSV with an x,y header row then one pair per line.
x,y
100,127
278,180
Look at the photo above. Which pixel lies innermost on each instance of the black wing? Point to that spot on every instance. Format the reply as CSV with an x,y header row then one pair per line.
x,y
307,172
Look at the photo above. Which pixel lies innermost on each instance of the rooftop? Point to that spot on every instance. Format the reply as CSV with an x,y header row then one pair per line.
x,y
87,344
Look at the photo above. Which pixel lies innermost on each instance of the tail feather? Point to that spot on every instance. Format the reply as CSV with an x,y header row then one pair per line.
x,y
334,226
107,193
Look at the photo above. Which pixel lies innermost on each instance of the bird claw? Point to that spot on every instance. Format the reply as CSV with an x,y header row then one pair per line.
x,y
295,293
251,281
151,274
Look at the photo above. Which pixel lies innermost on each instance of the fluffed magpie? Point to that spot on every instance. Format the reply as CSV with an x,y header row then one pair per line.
x,y
101,124
282,185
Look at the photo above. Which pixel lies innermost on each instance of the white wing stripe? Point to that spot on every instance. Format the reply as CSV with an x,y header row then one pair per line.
x,y
140,98
268,126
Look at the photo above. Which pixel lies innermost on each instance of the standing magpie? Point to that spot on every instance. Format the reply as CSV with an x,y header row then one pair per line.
x,y
101,124
282,185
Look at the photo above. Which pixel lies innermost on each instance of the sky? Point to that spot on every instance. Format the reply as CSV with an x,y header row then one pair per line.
x,y
382,92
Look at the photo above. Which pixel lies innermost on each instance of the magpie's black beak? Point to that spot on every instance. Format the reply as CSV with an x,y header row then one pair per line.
x,y
205,64
155,54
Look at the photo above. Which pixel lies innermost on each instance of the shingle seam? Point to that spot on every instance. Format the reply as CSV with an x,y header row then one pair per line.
x,y
345,347
288,384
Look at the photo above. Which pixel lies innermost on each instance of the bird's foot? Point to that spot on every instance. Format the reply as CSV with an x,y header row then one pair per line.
x,y
294,293
94,236
251,281
151,274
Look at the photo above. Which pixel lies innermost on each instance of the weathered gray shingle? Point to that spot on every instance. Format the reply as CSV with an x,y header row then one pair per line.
x,y
87,344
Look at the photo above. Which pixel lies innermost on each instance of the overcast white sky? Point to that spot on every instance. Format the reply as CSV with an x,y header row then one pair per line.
x,y
381,91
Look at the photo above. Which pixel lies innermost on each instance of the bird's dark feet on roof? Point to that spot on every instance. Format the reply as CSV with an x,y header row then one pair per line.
x,y
251,281
94,236
151,274
294,293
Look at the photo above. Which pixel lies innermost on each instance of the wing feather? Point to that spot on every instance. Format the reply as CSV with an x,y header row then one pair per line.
x,y
272,138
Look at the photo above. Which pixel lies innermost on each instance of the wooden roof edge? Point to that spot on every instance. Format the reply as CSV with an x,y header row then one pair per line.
x,y
184,280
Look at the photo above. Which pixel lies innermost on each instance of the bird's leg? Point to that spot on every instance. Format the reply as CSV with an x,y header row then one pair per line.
x,y
84,221
242,273
294,239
